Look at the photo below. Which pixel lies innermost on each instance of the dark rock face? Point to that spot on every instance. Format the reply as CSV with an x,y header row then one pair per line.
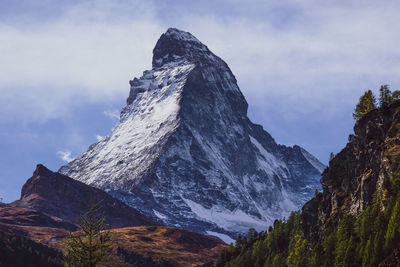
x,y
185,151
358,171
60,196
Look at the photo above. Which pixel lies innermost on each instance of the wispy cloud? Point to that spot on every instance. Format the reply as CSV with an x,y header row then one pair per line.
x,y
65,155
320,52
295,52
99,137
295,61
86,54
112,114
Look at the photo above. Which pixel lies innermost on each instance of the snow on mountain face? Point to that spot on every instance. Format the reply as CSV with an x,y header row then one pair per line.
x,y
186,153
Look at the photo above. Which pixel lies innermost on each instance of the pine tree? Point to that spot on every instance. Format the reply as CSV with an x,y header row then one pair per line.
x,y
368,250
396,95
298,253
378,248
392,236
349,256
91,245
343,236
385,95
366,104
278,261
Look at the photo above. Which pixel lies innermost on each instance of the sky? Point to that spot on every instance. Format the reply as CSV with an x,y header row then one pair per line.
x,y
65,68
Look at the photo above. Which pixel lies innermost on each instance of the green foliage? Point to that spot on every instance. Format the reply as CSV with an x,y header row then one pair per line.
x,y
385,95
392,236
367,101
263,249
366,104
396,95
91,245
365,240
278,261
298,252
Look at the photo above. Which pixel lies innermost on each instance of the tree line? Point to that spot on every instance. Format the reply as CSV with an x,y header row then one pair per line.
x,y
363,240
368,101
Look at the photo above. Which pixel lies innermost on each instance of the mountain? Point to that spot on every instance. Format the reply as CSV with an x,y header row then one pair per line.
x,y
64,198
355,221
33,229
359,174
185,151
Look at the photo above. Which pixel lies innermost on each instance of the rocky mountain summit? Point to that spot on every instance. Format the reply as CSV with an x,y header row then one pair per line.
x,y
186,153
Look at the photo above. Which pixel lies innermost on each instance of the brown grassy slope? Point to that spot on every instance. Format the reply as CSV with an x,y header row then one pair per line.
x,y
33,224
165,244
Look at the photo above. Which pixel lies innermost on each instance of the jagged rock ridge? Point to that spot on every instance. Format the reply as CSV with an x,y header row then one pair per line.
x,y
357,173
66,199
186,152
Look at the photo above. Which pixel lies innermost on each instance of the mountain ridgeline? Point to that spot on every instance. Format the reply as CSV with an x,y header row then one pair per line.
x,y
355,221
186,153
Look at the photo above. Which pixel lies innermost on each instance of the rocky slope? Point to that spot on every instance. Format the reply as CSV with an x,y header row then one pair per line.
x,y
65,199
358,172
355,221
186,153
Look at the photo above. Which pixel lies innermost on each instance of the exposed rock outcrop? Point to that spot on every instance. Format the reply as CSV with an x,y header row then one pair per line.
x,y
62,197
358,172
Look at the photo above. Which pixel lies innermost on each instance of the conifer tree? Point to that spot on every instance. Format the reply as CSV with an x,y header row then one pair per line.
x,y
396,95
348,259
392,236
366,104
366,260
298,253
278,261
91,245
385,95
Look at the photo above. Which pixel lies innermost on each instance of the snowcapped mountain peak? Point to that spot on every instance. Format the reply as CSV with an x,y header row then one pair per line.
x,y
185,151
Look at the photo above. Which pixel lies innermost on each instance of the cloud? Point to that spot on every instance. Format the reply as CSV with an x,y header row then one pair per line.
x,y
303,54
301,64
322,53
65,156
87,54
112,114
99,137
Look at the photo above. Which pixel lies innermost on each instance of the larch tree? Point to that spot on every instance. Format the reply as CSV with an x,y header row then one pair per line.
x,y
90,246
366,104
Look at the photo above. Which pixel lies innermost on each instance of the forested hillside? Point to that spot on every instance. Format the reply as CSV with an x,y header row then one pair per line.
x,y
18,251
355,221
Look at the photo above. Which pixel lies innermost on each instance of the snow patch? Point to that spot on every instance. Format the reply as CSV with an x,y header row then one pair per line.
x,y
160,215
313,160
237,220
223,237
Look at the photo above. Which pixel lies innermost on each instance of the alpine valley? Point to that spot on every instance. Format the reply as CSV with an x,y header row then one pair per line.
x,y
186,155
